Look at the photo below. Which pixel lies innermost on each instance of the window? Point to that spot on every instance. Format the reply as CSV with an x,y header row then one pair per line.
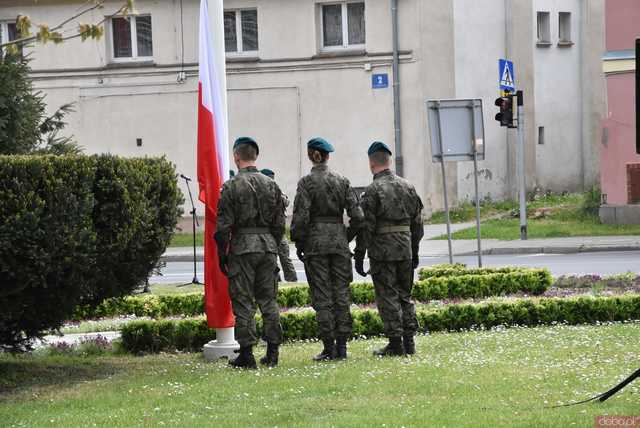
x,y
8,32
540,135
241,31
564,28
342,25
131,38
544,29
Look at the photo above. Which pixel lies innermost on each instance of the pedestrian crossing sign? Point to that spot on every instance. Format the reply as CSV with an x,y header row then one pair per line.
x,y
506,76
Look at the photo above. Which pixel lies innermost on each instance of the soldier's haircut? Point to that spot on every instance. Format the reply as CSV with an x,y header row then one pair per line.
x,y
317,156
246,152
380,158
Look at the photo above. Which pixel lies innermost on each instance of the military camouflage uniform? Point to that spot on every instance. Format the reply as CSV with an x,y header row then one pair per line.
x,y
317,226
391,234
251,220
288,269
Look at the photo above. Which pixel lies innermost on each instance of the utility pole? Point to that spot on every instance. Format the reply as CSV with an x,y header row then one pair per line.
x,y
520,167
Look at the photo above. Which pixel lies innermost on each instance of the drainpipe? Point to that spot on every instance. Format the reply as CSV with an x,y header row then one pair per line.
x,y
396,90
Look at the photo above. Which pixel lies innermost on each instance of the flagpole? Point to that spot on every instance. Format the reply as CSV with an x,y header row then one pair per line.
x,y
225,343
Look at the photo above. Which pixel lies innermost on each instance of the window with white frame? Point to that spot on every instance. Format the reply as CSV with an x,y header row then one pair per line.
x,y
544,28
241,31
342,25
8,31
131,38
564,27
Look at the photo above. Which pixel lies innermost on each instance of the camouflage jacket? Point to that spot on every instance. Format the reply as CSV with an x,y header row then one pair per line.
x,y
323,195
249,203
390,202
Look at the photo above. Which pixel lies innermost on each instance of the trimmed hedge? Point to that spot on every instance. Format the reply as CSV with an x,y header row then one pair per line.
x,y
191,335
77,230
532,281
458,269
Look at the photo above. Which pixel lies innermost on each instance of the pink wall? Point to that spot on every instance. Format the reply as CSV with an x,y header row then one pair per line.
x,y
622,24
621,148
622,21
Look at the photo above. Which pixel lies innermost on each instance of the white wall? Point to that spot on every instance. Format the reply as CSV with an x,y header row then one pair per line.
x,y
559,102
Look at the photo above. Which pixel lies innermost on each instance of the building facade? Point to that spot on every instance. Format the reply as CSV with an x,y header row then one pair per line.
x,y
619,156
303,68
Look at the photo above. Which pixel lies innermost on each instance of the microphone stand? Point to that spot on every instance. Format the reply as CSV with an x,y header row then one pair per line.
x,y
194,221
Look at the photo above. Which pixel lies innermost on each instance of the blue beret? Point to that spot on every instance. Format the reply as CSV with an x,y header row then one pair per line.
x,y
246,140
378,146
269,173
232,173
320,144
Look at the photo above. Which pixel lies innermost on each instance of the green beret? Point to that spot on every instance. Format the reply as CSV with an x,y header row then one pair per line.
x,y
232,173
269,173
378,146
320,144
246,140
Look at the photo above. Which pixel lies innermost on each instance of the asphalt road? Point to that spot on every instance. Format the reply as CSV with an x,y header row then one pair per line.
x,y
602,263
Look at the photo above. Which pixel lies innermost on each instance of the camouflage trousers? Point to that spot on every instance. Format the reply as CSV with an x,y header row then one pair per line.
x,y
329,277
393,281
288,269
252,281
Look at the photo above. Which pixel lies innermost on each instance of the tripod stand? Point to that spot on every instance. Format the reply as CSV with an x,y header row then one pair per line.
x,y
194,221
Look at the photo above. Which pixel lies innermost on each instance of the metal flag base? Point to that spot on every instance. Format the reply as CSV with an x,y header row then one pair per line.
x,y
224,346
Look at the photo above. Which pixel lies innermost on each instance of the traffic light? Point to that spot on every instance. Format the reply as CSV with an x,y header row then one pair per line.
x,y
505,117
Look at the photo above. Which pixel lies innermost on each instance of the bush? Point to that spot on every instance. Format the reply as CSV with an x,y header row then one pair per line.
x,y
590,206
77,230
191,335
435,287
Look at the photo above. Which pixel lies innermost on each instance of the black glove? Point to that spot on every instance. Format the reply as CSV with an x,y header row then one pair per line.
x,y
223,261
359,265
416,261
300,253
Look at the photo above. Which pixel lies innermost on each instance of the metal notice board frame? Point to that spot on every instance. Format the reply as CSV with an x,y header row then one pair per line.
x,y
457,134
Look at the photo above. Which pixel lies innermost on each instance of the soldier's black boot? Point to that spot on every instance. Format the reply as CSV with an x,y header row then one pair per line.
x,y
409,344
341,348
329,351
393,348
271,357
245,358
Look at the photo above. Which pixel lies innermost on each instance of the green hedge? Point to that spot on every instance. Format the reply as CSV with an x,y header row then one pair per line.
x,y
458,269
191,335
531,281
77,230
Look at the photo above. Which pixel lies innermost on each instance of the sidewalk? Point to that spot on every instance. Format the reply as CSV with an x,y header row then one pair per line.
x,y
464,247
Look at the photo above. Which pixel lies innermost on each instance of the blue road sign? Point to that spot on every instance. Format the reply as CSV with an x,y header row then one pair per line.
x,y
506,75
379,81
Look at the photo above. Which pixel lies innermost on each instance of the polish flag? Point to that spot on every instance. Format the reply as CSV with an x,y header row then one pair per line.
x,y
213,155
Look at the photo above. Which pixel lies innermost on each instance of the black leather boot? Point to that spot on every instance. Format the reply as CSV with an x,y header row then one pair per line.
x,y
329,351
341,348
409,344
393,348
245,358
271,357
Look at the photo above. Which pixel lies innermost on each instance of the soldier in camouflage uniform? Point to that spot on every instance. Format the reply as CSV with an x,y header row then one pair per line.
x,y
322,243
288,269
391,235
250,225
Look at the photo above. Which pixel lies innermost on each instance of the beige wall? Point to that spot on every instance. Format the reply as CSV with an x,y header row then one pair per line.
x,y
450,49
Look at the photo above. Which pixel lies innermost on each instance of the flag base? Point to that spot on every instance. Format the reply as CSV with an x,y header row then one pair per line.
x,y
223,347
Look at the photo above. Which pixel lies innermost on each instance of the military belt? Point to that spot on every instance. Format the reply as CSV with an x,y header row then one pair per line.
x,y
252,230
336,220
392,229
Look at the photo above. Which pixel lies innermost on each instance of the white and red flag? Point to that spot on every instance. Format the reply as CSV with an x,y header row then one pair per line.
x,y
213,156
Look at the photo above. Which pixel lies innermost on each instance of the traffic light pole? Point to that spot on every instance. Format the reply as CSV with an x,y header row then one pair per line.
x,y
520,166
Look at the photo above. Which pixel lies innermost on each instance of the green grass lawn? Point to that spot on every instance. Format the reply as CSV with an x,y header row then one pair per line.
x,y
509,229
475,379
186,240
565,218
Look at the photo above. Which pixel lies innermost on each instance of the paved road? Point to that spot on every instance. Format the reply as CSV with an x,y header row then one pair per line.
x,y
602,263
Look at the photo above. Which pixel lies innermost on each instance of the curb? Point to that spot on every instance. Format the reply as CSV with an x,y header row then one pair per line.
x,y
488,252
